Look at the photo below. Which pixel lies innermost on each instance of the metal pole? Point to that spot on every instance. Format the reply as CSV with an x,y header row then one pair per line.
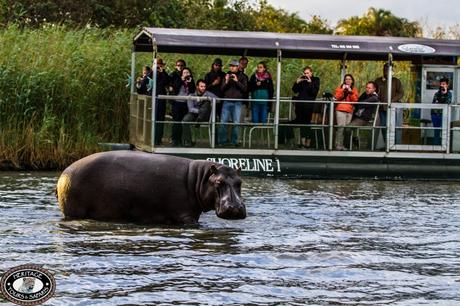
x,y
343,67
278,93
213,123
389,85
446,127
331,123
133,70
154,92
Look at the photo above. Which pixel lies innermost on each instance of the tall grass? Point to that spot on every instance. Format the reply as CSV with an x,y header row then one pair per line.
x,y
62,91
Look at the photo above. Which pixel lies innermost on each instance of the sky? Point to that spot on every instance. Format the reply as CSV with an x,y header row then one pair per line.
x,y
431,13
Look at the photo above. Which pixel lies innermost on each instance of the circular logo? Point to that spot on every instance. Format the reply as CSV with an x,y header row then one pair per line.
x,y
27,285
416,48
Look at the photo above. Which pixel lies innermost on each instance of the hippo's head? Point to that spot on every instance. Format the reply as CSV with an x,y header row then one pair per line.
x,y
227,185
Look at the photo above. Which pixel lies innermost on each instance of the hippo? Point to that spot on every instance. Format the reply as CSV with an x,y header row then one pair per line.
x,y
148,188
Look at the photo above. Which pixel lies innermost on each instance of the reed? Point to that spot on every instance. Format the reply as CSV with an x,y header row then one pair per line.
x,y
62,91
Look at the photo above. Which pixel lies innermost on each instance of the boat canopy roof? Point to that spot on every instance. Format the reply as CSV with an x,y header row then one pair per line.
x,y
293,45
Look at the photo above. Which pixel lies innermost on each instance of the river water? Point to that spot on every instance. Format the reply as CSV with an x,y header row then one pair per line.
x,y
304,242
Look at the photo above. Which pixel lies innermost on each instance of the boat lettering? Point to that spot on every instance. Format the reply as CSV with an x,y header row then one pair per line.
x,y
249,164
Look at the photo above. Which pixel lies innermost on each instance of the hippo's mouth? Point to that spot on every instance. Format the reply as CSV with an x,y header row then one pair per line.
x,y
231,211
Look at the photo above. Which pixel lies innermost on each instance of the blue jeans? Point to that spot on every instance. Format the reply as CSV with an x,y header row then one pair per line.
x,y
259,112
436,119
230,109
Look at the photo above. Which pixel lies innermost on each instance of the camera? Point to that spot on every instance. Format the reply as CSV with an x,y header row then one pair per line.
x,y
188,79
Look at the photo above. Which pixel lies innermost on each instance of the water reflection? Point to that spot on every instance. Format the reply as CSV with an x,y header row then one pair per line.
x,y
304,242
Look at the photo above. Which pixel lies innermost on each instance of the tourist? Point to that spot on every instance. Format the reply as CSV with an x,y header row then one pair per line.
x,y
397,93
364,113
179,108
214,79
306,87
160,104
261,89
242,65
234,86
198,110
442,96
346,92
143,82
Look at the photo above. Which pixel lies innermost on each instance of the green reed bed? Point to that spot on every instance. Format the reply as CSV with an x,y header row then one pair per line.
x,y
63,91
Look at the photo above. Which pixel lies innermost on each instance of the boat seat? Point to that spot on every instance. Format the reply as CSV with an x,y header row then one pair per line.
x,y
268,127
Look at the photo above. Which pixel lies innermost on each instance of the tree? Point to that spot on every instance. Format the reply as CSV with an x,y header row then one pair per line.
x,y
378,22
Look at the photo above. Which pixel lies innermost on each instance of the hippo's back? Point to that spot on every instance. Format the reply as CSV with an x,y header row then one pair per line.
x,y
124,185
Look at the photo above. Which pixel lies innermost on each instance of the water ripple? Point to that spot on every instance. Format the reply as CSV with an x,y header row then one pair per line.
x,y
304,242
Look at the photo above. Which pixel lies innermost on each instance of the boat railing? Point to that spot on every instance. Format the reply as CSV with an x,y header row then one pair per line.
x,y
410,126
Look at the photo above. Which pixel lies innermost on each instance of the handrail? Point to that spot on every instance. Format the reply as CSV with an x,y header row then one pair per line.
x,y
329,107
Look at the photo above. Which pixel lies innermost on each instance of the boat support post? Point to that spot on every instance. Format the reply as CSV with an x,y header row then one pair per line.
x,y
154,91
133,70
278,93
389,87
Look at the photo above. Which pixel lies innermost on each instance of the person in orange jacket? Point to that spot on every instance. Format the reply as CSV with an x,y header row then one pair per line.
x,y
346,92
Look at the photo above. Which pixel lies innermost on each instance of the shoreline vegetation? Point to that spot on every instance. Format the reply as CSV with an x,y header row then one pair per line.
x,y
63,77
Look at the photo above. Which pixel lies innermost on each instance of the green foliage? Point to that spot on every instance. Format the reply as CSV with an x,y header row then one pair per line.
x,y
61,92
378,22
199,14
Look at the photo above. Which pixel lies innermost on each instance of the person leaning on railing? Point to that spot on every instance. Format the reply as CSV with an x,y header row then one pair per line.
x,y
346,92
442,96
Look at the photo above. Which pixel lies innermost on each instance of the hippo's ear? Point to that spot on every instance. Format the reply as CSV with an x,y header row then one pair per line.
x,y
213,169
238,171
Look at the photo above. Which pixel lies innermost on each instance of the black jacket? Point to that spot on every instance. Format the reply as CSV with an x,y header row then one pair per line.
x,y
209,79
175,82
308,91
162,83
365,111
235,89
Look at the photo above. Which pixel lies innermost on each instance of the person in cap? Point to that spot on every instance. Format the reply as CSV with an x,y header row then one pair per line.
x,y
234,86
214,79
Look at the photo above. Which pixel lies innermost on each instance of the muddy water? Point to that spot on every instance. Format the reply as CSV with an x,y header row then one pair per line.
x,y
304,242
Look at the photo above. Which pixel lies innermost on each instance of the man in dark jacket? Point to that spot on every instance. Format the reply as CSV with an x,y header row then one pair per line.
x,y
214,79
364,113
234,86
160,105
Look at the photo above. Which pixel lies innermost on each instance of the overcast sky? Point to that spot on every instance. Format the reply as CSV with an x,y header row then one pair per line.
x,y
432,12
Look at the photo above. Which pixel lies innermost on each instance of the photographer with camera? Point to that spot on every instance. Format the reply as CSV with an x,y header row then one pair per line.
x,y
306,88
442,96
179,108
346,92
142,82
234,86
